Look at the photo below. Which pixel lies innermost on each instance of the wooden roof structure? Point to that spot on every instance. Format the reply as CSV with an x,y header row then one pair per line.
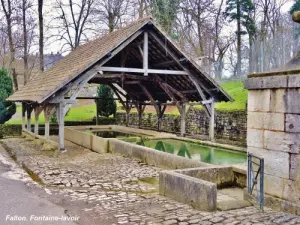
x,y
42,87
140,63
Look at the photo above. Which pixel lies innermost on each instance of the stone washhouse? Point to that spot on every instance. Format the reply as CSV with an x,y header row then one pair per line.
x,y
141,64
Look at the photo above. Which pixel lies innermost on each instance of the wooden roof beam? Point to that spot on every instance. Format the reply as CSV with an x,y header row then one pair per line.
x,y
137,70
197,84
147,93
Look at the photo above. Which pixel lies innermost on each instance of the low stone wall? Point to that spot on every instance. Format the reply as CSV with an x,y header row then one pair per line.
x,y
198,186
230,126
78,136
153,157
222,176
200,194
86,140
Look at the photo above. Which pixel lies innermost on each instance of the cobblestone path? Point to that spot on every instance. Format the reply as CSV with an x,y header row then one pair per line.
x,y
112,189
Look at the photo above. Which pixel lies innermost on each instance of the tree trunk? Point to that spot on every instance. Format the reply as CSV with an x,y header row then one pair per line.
x,y
111,26
41,37
12,65
239,40
26,78
250,69
141,9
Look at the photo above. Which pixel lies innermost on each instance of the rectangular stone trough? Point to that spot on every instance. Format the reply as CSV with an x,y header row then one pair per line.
x,y
78,135
198,186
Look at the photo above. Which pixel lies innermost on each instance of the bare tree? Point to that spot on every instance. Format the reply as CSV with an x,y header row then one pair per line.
x,y
7,9
111,12
74,20
41,34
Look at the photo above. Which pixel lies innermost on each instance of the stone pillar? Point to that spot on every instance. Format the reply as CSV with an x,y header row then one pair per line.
x,y
273,133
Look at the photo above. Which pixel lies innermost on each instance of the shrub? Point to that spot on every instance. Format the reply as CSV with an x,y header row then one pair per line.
x,y
106,105
7,109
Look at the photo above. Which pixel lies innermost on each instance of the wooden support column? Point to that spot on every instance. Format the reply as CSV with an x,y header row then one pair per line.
x,y
145,54
60,113
23,116
29,110
128,109
48,111
140,109
37,111
182,119
212,122
162,109
97,113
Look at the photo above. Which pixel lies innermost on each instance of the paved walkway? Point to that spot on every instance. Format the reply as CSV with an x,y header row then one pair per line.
x,y
111,189
19,205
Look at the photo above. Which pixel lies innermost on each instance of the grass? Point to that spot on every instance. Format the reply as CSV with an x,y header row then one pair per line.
x,y
82,113
236,90
86,113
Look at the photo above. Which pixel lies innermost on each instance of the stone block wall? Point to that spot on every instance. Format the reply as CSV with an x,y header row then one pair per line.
x,y
273,128
230,126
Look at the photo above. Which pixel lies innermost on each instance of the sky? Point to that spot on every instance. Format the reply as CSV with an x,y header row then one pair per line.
x,y
53,45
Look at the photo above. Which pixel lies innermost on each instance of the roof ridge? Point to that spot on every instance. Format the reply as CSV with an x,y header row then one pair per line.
x,y
116,31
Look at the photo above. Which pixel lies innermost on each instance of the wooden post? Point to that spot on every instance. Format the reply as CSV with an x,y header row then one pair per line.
x,y
212,123
23,116
36,123
97,113
160,115
182,119
145,54
141,109
37,110
128,107
60,113
127,118
48,111
47,127
29,110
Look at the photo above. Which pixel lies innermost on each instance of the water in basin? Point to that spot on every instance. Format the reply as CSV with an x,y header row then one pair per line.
x,y
204,153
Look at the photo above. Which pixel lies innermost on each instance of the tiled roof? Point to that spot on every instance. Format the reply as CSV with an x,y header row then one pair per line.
x,y
73,64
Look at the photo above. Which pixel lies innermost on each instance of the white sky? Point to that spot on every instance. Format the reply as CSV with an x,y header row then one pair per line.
x,y
55,45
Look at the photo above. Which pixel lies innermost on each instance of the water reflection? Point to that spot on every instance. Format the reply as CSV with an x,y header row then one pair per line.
x,y
196,151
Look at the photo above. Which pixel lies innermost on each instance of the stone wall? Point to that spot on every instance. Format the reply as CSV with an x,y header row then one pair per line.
x,y
230,126
274,131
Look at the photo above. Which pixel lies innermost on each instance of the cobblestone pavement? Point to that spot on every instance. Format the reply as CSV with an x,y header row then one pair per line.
x,y
111,189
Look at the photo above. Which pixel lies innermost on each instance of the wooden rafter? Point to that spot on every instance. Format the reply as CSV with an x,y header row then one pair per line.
x,y
147,93
170,94
191,76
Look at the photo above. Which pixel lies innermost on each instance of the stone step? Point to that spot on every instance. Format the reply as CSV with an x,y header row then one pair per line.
x,y
232,204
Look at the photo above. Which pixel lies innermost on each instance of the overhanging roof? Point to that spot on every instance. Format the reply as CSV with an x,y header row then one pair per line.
x,y
77,63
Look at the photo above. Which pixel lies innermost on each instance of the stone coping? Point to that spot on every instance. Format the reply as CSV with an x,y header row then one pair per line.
x,y
153,157
273,82
123,129
275,73
198,186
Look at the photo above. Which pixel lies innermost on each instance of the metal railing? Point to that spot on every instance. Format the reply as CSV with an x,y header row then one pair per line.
x,y
255,177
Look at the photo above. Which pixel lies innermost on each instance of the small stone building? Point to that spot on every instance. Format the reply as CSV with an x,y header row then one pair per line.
x,y
273,133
